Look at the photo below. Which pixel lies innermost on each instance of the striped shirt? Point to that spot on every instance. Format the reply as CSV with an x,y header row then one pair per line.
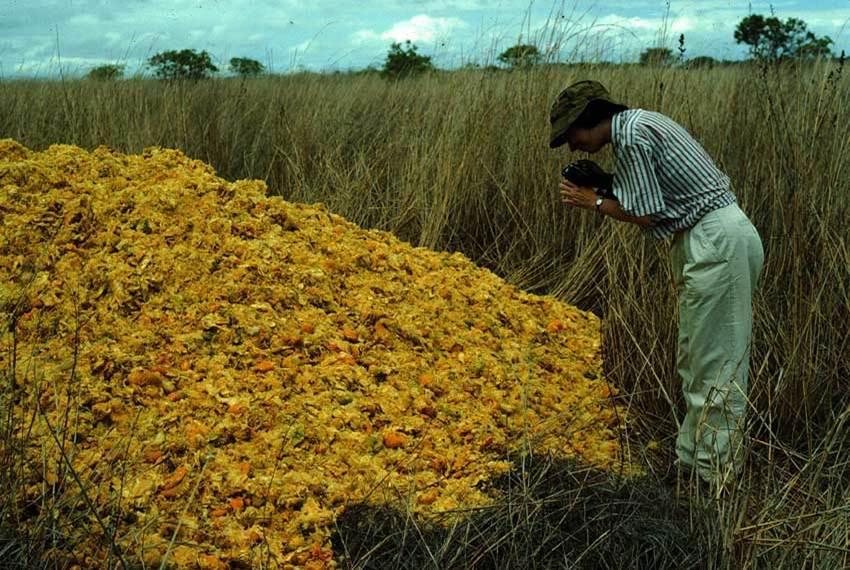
x,y
663,173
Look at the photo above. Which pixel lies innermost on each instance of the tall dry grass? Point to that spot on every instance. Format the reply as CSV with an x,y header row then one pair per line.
x,y
459,161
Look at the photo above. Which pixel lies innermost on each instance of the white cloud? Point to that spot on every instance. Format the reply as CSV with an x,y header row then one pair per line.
x,y
112,38
83,20
683,24
302,47
361,37
420,28
653,29
826,18
442,5
631,24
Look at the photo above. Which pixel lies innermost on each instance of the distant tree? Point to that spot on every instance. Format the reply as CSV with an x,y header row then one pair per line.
x,y
183,64
368,70
772,39
814,47
702,61
106,72
246,67
405,61
657,57
521,55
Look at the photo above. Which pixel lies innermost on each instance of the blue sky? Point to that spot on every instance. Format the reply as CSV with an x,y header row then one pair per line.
x,y
324,35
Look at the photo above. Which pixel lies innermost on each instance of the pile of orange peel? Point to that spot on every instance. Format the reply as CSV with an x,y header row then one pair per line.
x,y
223,371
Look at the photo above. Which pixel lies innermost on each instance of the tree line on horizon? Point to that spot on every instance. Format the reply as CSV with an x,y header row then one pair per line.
x,y
768,39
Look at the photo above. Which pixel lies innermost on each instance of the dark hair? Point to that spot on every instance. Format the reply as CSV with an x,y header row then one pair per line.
x,y
596,112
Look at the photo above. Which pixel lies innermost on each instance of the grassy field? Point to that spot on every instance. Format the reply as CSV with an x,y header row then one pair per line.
x,y
458,161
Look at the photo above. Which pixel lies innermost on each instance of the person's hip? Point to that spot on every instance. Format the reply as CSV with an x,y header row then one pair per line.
x,y
725,235
730,217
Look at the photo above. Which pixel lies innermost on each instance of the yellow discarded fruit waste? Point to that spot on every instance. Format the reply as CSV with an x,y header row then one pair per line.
x,y
227,370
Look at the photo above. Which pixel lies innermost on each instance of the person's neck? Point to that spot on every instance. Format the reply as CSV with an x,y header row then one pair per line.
x,y
601,134
605,127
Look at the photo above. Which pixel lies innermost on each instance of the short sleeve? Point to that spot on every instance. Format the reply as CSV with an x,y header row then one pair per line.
x,y
635,183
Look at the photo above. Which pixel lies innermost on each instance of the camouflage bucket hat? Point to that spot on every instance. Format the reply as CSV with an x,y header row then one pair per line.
x,y
571,102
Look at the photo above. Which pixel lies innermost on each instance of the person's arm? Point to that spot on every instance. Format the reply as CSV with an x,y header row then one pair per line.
x,y
584,197
611,208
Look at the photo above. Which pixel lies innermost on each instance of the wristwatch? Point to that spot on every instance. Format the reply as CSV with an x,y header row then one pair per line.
x,y
599,200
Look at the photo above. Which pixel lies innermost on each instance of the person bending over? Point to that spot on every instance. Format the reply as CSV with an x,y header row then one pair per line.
x,y
666,183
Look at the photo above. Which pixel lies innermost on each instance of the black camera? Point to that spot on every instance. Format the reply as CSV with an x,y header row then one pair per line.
x,y
588,173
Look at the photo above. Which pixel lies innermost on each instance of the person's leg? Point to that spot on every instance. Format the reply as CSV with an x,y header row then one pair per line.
x,y
685,441
723,258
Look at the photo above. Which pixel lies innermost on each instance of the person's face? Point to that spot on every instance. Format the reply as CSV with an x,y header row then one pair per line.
x,y
586,140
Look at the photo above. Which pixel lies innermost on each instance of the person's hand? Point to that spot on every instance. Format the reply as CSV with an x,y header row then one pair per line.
x,y
577,196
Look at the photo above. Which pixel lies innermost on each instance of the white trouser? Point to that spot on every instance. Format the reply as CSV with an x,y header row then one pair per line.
x,y
716,267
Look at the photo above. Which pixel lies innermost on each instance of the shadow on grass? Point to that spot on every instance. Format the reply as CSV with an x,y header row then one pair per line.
x,y
552,513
